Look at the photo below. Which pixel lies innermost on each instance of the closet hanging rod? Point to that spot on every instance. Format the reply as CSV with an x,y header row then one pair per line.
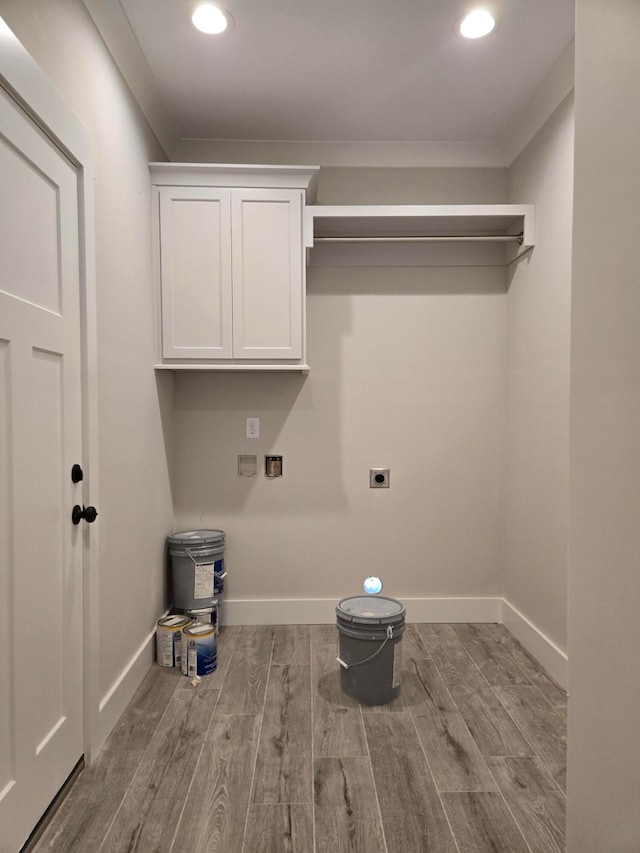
x,y
466,238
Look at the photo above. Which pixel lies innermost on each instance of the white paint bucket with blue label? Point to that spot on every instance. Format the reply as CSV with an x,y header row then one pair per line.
x,y
197,567
209,615
169,639
199,649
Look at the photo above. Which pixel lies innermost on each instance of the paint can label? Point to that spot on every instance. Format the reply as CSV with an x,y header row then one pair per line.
x,y
208,579
168,640
199,649
218,576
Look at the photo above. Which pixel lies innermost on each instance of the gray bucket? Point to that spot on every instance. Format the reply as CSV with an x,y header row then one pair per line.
x,y
370,630
197,567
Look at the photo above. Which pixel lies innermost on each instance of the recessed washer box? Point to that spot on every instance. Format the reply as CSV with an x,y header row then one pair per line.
x,y
273,465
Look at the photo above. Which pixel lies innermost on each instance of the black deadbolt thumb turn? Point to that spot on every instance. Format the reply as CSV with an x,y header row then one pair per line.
x,y
89,514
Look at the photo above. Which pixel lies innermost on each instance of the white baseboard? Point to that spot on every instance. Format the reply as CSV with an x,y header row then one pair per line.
x,y
314,611
544,650
453,609
121,691
277,611
322,611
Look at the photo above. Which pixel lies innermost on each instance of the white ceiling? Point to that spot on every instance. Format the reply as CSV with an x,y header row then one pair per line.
x,y
349,70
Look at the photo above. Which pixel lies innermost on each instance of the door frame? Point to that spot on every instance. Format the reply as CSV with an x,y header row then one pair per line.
x,y
23,79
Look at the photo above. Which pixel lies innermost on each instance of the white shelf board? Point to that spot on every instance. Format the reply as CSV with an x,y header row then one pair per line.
x,y
235,368
440,220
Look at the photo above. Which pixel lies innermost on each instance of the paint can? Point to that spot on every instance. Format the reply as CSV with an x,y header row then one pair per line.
x,y
197,567
208,615
169,639
370,630
199,649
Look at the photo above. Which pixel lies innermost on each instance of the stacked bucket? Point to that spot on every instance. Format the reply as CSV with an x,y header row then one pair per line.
x,y
189,639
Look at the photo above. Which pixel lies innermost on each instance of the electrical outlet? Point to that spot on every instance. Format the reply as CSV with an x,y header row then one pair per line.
x,y
379,478
253,427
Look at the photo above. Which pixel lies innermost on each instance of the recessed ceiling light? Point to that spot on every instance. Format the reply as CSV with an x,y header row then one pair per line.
x,y
211,19
477,24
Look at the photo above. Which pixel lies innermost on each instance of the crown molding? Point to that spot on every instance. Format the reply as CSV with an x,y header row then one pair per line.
x,y
344,154
114,28
551,92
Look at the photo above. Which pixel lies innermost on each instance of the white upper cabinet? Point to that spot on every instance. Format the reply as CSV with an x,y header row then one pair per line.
x,y
267,265
195,272
231,267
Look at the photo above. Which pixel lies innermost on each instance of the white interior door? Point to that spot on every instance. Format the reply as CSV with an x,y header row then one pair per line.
x,y
41,683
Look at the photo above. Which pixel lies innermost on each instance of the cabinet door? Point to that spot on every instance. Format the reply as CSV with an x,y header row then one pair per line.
x,y
195,272
267,274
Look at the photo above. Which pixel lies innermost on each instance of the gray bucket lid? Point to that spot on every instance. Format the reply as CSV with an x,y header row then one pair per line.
x,y
195,538
369,609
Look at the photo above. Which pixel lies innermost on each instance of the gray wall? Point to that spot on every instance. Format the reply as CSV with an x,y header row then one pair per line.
x,y
408,372
539,308
604,540
135,502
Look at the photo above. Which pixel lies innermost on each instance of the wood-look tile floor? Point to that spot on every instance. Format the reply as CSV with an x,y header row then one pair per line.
x,y
268,756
